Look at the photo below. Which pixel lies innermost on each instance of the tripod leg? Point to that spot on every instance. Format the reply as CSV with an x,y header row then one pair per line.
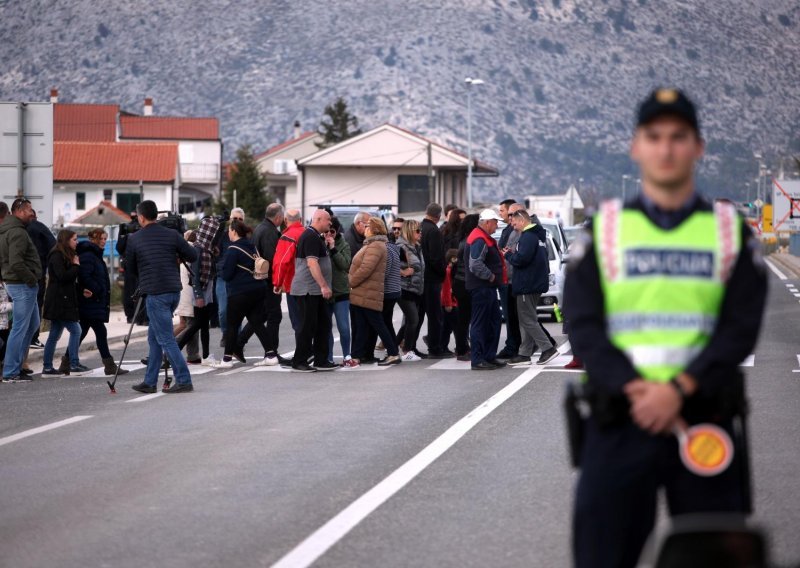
x,y
127,340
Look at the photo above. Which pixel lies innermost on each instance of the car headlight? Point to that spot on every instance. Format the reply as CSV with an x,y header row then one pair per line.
x,y
552,279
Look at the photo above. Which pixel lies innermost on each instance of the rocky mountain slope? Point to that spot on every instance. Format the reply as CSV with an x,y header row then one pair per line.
x,y
562,76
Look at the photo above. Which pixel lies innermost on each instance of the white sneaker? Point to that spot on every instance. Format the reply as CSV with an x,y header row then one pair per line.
x,y
222,364
268,361
209,361
411,356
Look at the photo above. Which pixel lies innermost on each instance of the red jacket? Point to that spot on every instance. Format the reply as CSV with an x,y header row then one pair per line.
x,y
285,252
448,299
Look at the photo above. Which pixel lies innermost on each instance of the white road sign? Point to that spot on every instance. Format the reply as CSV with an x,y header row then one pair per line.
x,y
33,158
786,205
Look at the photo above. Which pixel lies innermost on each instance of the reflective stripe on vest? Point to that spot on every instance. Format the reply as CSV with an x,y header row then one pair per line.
x,y
663,289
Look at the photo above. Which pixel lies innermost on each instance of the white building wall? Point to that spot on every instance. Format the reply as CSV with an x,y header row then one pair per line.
x,y
356,186
65,198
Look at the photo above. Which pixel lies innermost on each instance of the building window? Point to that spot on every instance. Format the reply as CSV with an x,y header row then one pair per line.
x,y
278,193
108,194
80,201
128,201
413,194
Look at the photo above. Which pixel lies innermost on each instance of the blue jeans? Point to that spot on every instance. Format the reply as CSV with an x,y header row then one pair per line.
x,y
341,310
26,322
160,339
294,311
56,328
222,305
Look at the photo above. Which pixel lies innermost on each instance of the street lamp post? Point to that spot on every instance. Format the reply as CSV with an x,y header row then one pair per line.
x,y
470,81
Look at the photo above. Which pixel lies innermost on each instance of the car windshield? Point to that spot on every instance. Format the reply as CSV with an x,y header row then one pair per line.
x,y
551,253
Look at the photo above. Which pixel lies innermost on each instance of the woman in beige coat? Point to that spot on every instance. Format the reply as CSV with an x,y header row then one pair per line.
x,y
366,292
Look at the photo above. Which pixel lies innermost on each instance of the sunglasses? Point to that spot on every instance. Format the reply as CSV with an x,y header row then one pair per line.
x,y
332,231
398,229
418,231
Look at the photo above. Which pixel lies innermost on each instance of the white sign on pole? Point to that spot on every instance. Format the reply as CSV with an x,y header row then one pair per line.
x,y
786,205
27,168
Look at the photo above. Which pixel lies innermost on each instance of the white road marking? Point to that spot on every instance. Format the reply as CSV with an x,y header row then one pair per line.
x,y
749,361
565,348
451,364
40,429
796,295
308,551
774,269
798,364
146,397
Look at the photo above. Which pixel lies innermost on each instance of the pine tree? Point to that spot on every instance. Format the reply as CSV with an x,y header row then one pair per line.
x,y
338,125
249,183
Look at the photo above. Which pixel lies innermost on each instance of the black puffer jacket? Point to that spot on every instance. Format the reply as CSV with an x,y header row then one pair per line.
x,y
93,277
61,296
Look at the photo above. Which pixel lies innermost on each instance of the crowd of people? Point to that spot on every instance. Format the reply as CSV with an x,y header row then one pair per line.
x,y
58,278
454,275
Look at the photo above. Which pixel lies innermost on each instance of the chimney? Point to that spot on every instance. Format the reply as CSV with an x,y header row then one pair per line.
x,y
53,95
148,106
296,129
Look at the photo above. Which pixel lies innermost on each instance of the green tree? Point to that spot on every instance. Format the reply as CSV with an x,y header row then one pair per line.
x,y
249,183
337,124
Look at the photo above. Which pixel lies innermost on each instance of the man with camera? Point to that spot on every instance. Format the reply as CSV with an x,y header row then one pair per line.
x,y
152,256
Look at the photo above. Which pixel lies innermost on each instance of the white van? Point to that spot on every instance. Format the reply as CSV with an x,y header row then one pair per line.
x,y
555,295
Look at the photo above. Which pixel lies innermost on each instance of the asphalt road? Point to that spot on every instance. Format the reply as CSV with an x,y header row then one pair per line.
x,y
423,464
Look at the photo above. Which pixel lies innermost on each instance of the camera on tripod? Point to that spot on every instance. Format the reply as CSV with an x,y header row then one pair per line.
x,y
168,219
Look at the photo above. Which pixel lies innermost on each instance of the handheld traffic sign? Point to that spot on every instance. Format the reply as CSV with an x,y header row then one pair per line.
x,y
705,449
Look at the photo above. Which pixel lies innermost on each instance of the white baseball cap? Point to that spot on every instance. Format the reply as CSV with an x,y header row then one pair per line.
x,y
489,214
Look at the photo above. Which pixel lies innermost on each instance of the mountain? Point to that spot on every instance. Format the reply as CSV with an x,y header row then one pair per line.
x,y
562,77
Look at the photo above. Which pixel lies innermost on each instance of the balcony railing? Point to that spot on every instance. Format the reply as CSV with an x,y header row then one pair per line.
x,y
200,173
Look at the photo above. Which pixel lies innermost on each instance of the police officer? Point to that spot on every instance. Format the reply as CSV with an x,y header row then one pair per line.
x,y
666,295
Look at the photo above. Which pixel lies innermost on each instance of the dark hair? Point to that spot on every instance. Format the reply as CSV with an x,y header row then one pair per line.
x,y
433,210
240,228
62,244
450,255
468,225
148,210
3,209
95,234
336,225
453,224
508,202
398,220
449,207
18,204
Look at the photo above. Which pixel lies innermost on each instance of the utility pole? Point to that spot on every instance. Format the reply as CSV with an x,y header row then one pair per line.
x,y
431,190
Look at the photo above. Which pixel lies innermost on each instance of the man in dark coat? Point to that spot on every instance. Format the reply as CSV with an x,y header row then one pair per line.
x,y
433,253
44,241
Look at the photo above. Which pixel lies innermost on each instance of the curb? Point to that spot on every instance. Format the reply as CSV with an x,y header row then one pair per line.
x,y
87,346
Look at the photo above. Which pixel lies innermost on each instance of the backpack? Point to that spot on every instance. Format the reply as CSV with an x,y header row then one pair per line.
x,y
260,265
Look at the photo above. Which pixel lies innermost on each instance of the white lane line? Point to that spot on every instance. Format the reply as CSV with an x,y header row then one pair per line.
x,y
749,361
146,397
308,551
796,295
565,348
798,364
774,269
40,429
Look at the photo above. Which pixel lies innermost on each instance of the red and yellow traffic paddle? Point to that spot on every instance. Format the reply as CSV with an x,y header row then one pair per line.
x,y
705,449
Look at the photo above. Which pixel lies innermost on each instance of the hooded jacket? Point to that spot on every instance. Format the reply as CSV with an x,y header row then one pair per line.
x,y
367,274
483,260
93,276
19,260
413,254
531,266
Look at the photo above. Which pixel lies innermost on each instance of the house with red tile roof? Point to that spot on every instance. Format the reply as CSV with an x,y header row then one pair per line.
x,y
86,174
387,165
279,164
102,153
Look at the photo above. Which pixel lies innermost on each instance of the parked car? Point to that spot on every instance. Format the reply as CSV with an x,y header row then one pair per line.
x,y
347,213
555,295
